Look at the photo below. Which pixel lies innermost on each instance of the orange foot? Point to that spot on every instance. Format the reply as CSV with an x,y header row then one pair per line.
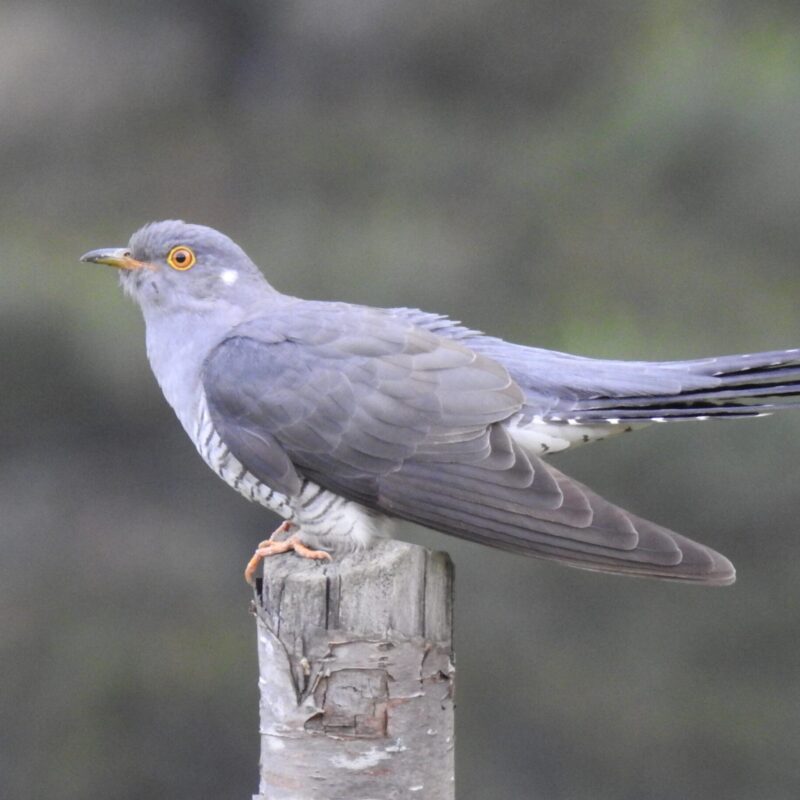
x,y
272,547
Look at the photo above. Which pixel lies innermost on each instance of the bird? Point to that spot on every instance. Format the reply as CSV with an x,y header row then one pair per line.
x,y
342,418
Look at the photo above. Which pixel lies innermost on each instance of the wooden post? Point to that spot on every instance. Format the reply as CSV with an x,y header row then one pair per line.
x,y
356,676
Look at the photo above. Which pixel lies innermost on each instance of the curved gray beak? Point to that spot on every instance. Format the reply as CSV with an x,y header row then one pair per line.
x,y
119,257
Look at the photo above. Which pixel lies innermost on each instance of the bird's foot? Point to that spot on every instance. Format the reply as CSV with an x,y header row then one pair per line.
x,y
284,527
272,547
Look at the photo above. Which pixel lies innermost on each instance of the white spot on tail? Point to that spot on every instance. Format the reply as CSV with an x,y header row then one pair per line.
x,y
229,276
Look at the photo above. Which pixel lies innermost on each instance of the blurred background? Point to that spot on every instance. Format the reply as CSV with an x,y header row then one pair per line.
x,y
616,179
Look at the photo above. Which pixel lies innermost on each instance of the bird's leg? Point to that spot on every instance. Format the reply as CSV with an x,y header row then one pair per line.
x,y
258,556
284,527
272,547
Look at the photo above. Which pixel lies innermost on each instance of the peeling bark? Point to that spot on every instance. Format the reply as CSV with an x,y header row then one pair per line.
x,y
356,676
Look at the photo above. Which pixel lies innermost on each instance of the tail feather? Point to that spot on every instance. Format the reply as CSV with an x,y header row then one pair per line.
x,y
746,385
560,386
590,390
742,362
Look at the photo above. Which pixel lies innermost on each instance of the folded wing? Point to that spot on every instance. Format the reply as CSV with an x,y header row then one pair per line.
x,y
401,419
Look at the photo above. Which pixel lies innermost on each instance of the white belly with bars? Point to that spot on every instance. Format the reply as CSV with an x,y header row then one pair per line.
x,y
324,519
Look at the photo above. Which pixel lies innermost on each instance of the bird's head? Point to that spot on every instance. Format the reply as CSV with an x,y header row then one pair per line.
x,y
173,265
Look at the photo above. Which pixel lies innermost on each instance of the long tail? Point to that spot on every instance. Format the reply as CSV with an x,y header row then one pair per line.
x,y
753,384
560,387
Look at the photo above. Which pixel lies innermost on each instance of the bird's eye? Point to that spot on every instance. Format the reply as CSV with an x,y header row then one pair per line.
x,y
181,258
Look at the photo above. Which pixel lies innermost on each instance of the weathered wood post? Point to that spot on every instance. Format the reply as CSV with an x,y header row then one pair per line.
x,y
356,676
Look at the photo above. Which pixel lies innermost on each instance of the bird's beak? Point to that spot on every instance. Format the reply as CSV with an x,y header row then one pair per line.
x,y
118,257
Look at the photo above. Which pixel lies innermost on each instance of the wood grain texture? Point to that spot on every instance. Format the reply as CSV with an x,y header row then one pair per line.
x,y
356,676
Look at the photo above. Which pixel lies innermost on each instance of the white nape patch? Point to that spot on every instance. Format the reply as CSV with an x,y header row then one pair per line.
x,y
229,276
366,760
658,419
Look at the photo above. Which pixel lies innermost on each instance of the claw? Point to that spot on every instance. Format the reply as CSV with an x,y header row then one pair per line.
x,y
284,527
272,547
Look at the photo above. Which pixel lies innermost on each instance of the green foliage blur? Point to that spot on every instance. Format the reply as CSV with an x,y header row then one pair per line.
x,y
618,179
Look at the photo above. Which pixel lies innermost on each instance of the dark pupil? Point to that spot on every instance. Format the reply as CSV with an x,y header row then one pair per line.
x,y
180,256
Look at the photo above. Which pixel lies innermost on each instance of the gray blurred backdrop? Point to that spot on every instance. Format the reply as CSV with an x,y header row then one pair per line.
x,y
617,179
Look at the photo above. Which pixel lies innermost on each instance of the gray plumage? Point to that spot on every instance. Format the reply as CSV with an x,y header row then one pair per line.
x,y
341,417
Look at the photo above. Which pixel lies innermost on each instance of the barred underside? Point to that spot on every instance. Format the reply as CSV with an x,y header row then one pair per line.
x,y
217,455
325,519
331,521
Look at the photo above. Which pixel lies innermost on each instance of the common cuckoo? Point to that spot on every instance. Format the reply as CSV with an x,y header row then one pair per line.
x,y
340,417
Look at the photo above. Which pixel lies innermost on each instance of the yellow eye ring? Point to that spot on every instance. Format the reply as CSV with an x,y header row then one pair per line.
x,y
181,258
